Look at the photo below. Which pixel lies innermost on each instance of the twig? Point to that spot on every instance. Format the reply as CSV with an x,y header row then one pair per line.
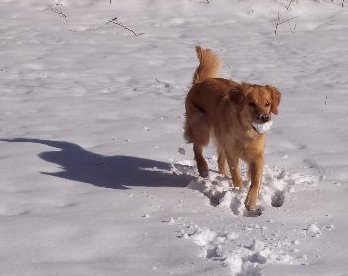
x,y
111,20
342,4
277,24
291,1
58,11
280,22
279,3
287,20
200,2
123,26
292,30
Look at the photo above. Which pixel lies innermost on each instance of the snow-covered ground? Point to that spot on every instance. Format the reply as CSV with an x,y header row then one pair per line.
x,y
96,178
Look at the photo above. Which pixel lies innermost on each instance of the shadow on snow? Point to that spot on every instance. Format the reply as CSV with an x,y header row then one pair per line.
x,y
115,172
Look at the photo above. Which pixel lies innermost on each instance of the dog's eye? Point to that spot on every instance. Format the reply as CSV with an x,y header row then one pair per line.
x,y
252,104
267,104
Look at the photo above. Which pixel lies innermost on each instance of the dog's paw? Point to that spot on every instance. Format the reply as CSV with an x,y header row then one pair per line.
x,y
224,171
250,202
204,174
203,171
238,183
256,212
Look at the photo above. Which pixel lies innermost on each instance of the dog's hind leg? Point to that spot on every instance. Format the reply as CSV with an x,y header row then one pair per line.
x,y
197,131
202,165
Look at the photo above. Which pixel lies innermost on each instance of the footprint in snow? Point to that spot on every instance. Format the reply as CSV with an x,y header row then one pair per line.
x,y
277,183
278,198
241,259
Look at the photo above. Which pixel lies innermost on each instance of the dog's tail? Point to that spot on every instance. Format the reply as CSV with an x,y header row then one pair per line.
x,y
209,65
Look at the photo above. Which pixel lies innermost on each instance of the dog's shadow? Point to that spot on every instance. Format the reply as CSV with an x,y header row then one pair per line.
x,y
116,172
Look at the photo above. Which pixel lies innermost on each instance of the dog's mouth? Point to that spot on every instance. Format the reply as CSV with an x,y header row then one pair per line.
x,y
254,128
263,127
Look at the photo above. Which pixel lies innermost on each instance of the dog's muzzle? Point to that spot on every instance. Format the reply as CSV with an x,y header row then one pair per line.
x,y
264,118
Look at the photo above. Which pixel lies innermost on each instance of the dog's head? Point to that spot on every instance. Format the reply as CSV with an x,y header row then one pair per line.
x,y
257,102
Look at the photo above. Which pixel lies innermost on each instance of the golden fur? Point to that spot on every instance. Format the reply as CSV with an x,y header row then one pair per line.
x,y
224,109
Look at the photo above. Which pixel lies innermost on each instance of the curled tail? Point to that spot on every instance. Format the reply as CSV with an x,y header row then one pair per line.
x,y
209,65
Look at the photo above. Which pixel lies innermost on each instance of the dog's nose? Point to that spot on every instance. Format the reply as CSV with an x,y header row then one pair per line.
x,y
265,118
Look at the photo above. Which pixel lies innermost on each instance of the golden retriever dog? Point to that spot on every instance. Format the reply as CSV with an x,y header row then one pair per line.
x,y
227,111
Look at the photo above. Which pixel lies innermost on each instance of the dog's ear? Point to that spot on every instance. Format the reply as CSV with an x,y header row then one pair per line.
x,y
237,95
276,96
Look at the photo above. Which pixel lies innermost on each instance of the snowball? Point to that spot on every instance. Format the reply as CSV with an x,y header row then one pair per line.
x,y
257,245
204,236
235,263
296,242
231,236
262,128
263,255
313,228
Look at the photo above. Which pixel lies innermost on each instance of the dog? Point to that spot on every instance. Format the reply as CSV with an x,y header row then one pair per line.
x,y
225,111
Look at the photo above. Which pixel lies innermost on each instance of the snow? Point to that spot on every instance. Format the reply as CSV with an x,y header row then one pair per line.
x,y
96,178
313,230
262,128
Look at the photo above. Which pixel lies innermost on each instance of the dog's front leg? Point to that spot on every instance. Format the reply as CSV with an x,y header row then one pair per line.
x,y
222,162
255,170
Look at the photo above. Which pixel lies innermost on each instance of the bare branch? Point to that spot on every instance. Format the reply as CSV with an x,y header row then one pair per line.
x,y
288,19
280,22
341,4
277,24
200,2
292,30
113,21
291,1
58,11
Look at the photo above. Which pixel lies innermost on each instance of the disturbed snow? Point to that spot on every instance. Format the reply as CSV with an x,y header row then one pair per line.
x,y
95,176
